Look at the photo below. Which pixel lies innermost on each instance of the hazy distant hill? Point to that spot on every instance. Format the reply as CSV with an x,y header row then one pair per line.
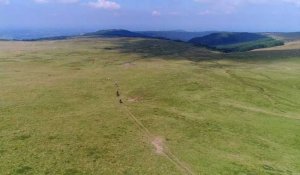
x,y
172,35
51,38
225,38
115,33
292,36
175,34
97,34
236,42
34,34
223,41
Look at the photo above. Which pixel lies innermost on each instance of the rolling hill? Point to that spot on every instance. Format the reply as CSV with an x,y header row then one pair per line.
x,y
111,33
222,41
175,34
235,42
115,33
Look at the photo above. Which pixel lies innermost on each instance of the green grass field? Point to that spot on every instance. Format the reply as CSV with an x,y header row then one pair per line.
x,y
186,110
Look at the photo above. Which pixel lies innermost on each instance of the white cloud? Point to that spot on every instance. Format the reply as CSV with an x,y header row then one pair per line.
x,y
105,4
296,2
4,1
237,2
56,1
41,1
174,13
224,6
229,6
206,12
156,13
101,4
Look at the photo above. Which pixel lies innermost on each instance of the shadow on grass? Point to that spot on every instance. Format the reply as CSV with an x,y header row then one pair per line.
x,y
267,55
166,49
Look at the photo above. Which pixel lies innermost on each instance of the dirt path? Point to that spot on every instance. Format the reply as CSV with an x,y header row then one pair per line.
x,y
160,147
157,142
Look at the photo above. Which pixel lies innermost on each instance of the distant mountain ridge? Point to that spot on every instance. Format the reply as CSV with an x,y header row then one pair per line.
x,y
98,34
225,38
115,33
31,34
176,34
222,41
170,35
236,41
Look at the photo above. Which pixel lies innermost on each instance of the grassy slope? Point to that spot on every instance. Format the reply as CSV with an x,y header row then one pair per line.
x,y
287,37
246,46
294,45
226,38
59,113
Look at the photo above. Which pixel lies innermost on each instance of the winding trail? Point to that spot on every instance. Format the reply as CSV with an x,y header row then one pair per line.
x,y
161,149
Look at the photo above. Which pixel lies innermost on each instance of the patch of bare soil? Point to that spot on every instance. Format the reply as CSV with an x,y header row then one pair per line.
x,y
128,65
134,99
158,144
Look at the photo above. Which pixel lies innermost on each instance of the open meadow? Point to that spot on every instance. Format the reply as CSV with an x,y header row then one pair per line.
x,y
185,110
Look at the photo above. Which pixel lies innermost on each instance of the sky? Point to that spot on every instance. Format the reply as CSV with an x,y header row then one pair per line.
x,y
191,15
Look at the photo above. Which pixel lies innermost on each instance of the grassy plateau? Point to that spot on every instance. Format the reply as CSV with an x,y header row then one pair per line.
x,y
185,110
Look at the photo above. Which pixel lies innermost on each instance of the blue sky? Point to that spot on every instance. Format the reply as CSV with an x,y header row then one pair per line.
x,y
192,15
